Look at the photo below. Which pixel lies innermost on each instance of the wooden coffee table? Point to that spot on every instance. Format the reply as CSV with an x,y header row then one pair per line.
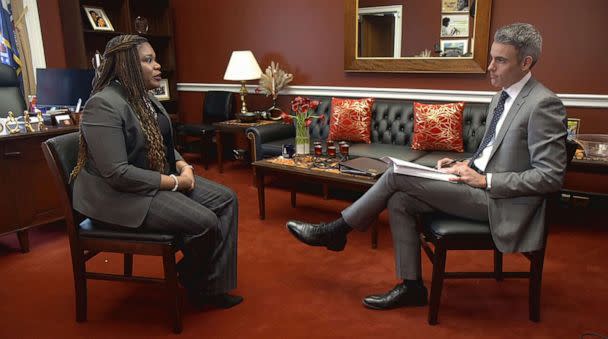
x,y
303,171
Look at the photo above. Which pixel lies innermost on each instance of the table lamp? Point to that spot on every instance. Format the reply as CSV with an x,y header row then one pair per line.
x,y
242,67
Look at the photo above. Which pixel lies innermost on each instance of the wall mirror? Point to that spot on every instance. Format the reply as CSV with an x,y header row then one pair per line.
x,y
417,36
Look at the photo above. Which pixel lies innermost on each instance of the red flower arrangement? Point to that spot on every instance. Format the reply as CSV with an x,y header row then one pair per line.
x,y
303,109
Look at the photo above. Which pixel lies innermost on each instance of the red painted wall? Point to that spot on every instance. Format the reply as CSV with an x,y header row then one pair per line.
x,y
306,38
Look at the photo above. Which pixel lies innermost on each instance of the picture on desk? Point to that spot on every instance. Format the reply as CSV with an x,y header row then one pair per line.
x,y
162,93
63,120
573,127
98,18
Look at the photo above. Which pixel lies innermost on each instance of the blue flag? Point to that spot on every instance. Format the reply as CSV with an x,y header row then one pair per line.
x,y
9,54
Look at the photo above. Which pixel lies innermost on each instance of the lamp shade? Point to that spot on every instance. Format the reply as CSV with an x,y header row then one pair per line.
x,y
242,66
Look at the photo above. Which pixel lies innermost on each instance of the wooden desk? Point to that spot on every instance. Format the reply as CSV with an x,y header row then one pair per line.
x,y
28,195
237,129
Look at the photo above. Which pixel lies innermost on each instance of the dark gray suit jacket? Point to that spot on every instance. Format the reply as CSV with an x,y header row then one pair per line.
x,y
527,162
115,186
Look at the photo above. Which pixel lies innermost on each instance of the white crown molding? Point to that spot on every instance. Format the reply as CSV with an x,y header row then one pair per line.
x,y
569,100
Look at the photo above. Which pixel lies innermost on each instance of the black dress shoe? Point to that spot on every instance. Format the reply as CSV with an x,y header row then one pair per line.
x,y
399,296
332,235
223,300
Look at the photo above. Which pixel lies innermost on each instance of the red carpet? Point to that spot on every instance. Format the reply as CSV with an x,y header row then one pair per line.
x,y
295,291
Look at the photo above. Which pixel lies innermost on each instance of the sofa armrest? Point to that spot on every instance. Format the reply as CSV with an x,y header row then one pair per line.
x,y
259,135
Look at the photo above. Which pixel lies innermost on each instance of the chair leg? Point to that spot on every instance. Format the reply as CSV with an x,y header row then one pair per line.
x,y
436,283
80,286
537,259
172,289
498,266
24,241
206,144
128,264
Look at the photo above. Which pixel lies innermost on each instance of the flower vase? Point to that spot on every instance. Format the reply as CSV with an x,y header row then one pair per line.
x,y
302,139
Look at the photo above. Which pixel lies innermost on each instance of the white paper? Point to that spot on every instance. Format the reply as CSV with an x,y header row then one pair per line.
x,y
416,170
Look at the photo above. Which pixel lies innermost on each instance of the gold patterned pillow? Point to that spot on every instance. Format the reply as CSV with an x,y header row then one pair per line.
x,y
438,127
351,120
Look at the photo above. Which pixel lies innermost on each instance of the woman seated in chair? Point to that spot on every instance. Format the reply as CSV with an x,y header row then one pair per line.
x,y
129,174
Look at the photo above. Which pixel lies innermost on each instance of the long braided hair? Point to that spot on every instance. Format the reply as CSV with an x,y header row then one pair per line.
x,y
121,62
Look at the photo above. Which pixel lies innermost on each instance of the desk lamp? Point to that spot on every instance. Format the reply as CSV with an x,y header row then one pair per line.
x,y
242,67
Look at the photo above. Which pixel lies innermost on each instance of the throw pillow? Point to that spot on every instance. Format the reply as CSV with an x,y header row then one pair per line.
x,y
351,120
438,127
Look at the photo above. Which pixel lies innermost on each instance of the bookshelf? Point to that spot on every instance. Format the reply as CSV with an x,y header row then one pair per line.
x,y
81,40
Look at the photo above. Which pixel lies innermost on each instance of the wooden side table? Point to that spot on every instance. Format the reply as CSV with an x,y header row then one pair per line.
x,y
236,128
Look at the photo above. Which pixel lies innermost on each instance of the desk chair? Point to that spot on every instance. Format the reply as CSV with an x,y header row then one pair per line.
x,y
216,107
11,98
88,238
446,232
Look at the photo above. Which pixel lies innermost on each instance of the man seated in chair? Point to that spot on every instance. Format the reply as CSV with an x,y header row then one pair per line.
x,y
522,157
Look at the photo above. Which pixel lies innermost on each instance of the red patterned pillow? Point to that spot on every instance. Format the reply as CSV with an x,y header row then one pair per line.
x,y
351,119
438,127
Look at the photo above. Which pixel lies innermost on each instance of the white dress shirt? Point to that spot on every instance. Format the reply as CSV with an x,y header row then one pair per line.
x,y
482,161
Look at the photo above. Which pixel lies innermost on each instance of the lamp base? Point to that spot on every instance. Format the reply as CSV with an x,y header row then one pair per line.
x,y
243,94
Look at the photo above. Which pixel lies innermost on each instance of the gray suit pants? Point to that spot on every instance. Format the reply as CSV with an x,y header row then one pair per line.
x,y
405,196
207,220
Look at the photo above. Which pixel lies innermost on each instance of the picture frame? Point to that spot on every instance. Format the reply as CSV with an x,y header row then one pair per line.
x,y
62,119
454,47
574,125
454,26
98,18
162,92
455,6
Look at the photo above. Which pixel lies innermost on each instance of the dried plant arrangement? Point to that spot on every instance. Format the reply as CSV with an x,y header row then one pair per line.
x,y
273,80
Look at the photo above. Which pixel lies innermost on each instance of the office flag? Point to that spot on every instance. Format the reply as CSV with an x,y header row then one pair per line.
x,y
9,53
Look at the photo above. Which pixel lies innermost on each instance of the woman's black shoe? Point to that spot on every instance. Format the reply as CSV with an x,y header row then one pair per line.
x,y
223,300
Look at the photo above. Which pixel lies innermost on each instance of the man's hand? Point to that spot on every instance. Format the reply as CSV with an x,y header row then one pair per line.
x,y
466,175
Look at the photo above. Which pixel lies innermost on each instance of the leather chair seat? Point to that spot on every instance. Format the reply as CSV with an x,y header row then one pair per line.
x,y
94,229
442,226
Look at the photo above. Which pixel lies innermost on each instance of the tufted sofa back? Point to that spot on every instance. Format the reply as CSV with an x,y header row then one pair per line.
x,y
393,122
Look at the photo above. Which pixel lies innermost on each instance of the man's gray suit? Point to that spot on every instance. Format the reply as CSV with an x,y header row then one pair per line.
x,y
116,187
527,161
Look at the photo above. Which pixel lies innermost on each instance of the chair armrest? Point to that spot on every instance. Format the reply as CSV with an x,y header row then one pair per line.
x,y
267,133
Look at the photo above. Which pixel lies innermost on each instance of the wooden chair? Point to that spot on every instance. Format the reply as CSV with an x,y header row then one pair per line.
x,y
216,107
87,238
446,233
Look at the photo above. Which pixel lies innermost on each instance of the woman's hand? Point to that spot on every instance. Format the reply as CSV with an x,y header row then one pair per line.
x,y
187,175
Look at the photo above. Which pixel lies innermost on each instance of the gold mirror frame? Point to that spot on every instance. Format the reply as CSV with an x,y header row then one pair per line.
x,y
475,64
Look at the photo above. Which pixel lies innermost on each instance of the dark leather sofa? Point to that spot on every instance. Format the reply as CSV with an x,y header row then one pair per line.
x,y
392,131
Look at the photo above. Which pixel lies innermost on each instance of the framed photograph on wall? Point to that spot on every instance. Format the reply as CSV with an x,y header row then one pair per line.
x,y
455,25
454,48
162,92
573,127
98,18
451,6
